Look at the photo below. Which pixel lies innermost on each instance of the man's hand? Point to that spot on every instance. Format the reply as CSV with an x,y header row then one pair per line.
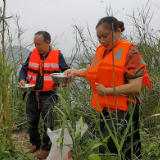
x,y
64,85
22,83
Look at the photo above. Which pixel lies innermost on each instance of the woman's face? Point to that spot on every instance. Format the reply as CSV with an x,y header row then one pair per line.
x,y
104,35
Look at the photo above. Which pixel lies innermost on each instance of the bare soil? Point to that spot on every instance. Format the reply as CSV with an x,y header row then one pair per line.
x,y
21,141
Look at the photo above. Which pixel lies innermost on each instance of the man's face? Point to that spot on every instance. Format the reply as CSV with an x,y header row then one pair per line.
x,y
41,46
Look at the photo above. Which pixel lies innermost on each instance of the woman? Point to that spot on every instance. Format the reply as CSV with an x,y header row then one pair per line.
x,y
122,76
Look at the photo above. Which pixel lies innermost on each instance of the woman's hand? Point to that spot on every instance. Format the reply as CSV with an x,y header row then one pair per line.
x,y
101,89
133,86
75,72
70,71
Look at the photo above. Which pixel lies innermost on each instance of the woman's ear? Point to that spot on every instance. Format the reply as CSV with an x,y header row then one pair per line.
x,y
119,30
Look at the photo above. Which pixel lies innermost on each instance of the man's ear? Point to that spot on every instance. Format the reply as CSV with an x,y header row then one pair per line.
x,y
48,42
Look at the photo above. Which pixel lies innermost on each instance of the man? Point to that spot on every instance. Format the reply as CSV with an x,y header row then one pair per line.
x,y
41,62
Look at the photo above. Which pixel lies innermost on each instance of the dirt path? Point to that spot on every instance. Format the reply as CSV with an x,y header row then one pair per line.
x,y
21,141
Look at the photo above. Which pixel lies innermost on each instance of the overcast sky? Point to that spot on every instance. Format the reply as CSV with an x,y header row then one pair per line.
x,y
57,16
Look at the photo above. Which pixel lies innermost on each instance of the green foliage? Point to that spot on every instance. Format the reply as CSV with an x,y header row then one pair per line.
x,y
0,10
70,114
151,145
5,150
94,157
96,146
25,155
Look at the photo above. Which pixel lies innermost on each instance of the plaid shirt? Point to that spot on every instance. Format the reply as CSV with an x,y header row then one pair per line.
x,y
134,63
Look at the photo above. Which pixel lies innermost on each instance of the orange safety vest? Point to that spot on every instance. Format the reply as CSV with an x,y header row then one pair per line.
x,y
101,71
45,68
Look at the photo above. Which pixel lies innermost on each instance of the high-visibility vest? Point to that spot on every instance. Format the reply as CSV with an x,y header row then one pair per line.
x,y
43,67
102,71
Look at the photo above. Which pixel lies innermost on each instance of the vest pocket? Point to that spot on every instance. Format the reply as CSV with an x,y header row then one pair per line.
x,y
109,77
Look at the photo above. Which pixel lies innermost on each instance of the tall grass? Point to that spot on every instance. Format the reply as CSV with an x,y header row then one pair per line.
x,y
9,96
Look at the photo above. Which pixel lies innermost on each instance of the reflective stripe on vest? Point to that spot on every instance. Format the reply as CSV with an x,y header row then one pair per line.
x,y
117,56
95,61
34,65
48,78
33,78
52,65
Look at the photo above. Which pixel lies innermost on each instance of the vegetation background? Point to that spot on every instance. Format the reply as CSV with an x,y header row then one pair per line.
x,y
74,101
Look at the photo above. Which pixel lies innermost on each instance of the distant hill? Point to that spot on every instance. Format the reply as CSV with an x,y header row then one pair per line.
x,y
16,52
